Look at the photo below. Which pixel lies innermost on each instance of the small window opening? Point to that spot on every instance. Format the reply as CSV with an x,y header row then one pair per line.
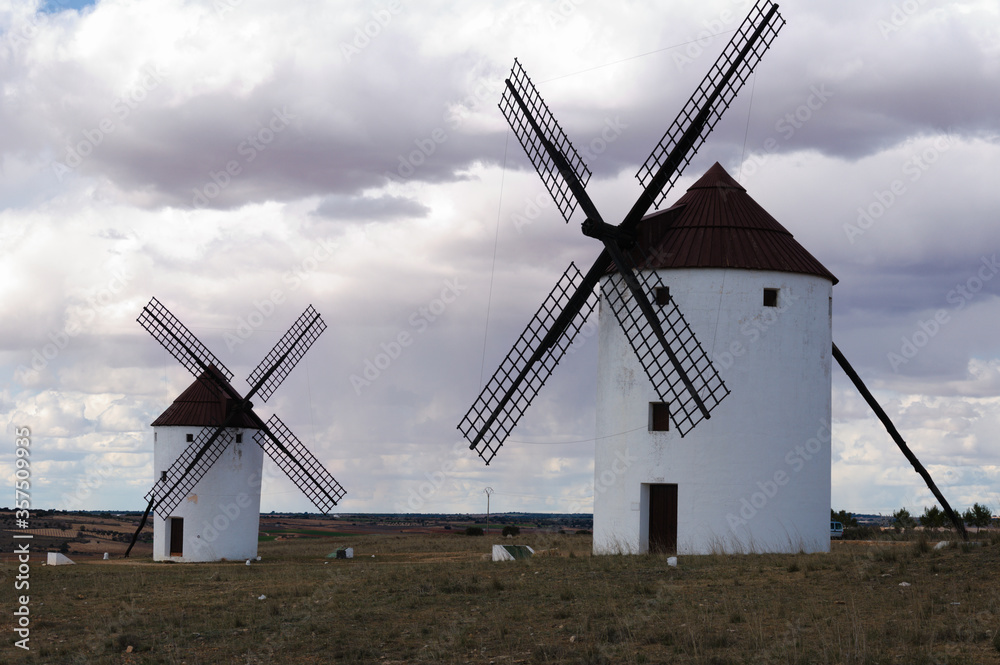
x,y
239,438
190,438
659,416
770,297
163,476
662,295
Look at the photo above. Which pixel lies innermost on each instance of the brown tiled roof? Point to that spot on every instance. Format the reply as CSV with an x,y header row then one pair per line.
x,y
203,404
717,225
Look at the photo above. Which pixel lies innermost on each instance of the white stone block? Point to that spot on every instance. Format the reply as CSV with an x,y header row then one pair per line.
x,y
57,559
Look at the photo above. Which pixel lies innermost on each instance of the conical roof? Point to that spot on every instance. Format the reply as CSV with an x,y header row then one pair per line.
x,y
204,403
717,225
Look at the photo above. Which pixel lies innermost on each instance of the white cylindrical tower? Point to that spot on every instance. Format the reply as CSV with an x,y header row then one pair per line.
x,y
219,517
755,477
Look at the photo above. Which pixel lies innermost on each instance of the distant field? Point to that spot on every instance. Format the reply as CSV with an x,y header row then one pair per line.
x,y
436,598
86,535
307,532
81,534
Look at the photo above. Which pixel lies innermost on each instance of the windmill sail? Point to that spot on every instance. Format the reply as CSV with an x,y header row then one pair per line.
x,y
707,104
682,381
300,465
189,468
672,357
543,138
178,340
286,354
526,367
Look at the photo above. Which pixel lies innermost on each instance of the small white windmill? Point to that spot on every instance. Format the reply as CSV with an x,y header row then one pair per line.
x,y
209,447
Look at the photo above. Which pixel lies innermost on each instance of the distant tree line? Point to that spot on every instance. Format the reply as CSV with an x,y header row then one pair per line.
x,y
933,518
844,517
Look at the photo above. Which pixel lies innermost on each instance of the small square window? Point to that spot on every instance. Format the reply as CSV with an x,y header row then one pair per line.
x,y
659,417
662,295
239,438
190,438
770,297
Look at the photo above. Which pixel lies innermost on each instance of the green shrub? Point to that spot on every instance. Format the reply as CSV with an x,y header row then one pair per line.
x,y
860,533
978,516
473,530
903,519
511,531
844,517
933,518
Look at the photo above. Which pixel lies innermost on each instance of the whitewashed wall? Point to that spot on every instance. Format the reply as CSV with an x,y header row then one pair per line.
x,y
756,476
222,513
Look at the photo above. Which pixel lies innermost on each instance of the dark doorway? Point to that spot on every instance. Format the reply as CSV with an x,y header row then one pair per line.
x,y
176,536
663,518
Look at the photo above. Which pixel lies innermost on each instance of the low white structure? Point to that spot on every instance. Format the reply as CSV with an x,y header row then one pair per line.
x,y
511,552
220,516
57,559
756,476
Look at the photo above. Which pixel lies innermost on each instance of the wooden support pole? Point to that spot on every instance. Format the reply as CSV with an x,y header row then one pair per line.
x,y
894,433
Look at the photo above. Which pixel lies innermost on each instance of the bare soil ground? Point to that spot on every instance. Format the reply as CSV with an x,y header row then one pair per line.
x,y
412,598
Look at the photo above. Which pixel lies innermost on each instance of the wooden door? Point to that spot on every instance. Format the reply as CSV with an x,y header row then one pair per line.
x,y
663,518
177,536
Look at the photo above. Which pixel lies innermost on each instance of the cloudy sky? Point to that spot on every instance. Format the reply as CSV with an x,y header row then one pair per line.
x,y
240,160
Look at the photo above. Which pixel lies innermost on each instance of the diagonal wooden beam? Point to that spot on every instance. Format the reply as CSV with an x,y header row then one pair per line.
x,y
894,433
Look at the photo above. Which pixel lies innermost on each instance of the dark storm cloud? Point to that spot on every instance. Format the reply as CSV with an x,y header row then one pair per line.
x,y
220,152
842,88
375,209
927,285
298,131
394,112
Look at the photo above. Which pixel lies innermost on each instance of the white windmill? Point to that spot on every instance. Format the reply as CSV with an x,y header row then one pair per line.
x,y
755,474
209,447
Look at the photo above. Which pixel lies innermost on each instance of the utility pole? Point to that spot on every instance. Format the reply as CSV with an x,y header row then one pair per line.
x,y
488,491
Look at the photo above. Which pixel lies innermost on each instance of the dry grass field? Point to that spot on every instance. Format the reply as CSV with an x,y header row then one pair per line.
x,y
433,598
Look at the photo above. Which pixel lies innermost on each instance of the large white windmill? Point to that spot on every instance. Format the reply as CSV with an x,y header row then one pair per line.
x,y
660,483
756,476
